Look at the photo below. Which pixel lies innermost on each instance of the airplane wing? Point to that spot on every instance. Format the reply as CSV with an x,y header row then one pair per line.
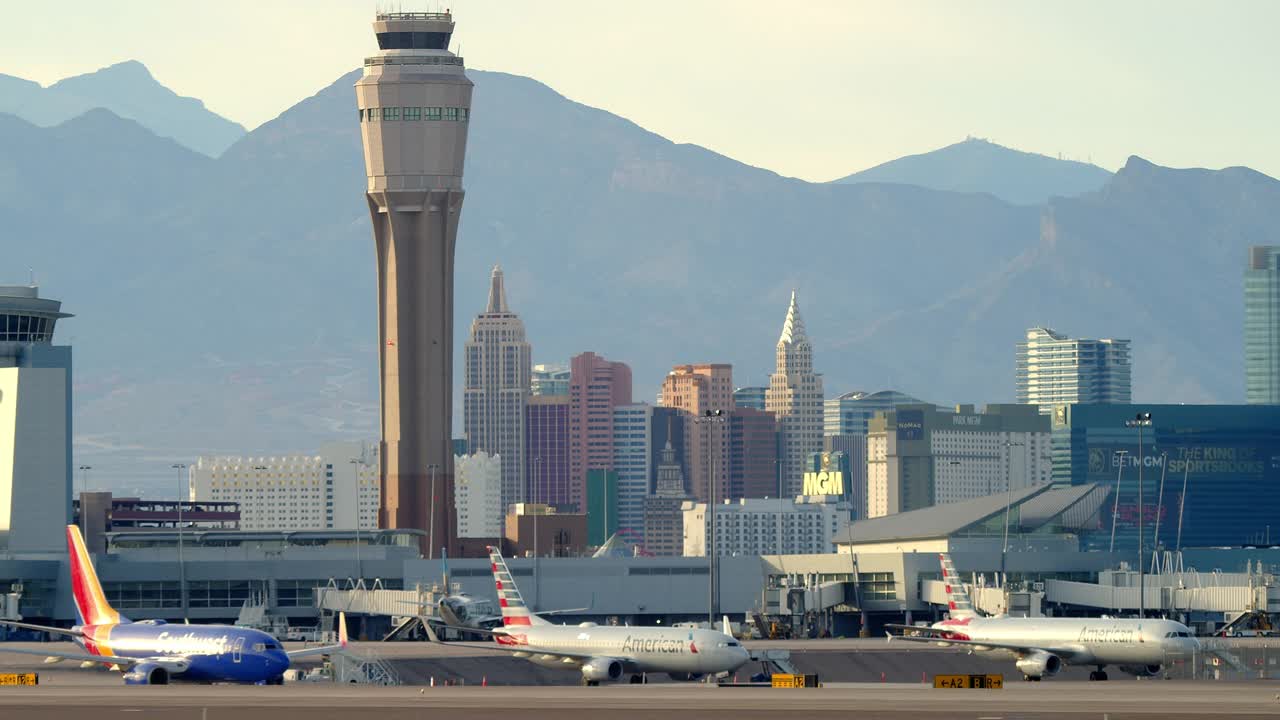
x,y
327,649
1066,653
565,611
63,655
42,628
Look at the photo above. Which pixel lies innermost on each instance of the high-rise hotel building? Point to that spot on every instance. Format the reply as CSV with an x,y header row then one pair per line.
x,y
1053,369
414,103
795,399
596,387
1262,326
497,365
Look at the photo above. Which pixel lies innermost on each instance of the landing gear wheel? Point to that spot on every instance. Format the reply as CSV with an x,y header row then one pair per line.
x,y
639,679
1102,675
1032,678
593,683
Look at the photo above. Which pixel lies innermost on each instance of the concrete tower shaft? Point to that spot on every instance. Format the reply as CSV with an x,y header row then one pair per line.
x,y
414,106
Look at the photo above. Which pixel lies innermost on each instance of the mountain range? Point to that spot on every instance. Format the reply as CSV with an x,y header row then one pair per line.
x,y
977,165
129,90
226,305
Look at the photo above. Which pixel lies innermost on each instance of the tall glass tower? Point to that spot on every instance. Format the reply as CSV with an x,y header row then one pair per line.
x,y
1262,326
414,105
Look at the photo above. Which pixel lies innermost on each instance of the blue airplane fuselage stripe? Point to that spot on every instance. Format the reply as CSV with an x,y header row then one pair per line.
x,y
217,653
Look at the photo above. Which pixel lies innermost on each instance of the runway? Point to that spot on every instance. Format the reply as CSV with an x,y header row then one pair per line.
x,y
1112,701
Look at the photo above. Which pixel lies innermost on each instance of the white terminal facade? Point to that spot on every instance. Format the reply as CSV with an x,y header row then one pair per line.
x,y
478,495
919,456
295,492
767,526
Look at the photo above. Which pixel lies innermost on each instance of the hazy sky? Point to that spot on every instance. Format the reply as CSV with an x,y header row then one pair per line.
x,y
813,89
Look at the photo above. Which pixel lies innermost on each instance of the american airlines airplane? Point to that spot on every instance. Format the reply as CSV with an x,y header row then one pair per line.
x,y
603,653
1042,645
151,652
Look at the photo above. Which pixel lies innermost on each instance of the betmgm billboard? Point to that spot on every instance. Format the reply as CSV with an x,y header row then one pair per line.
x,y
1232,491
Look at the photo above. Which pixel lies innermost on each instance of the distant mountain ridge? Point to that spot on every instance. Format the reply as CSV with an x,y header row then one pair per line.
x,y
226,305
129,90
977,165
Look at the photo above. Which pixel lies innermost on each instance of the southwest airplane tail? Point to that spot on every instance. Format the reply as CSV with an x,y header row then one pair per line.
x,y
152,652
91,603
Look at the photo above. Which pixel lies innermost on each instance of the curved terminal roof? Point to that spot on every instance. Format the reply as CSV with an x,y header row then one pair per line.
x,y
1031,508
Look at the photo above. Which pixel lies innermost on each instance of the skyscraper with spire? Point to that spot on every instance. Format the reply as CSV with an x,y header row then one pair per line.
x,y
498,364
795,398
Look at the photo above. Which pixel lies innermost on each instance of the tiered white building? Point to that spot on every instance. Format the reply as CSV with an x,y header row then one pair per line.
x,y
295,492
478,495
772,526
795,398
497,368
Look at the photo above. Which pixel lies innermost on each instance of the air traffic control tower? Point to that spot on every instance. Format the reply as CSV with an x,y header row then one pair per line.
x,y
35,424
415,104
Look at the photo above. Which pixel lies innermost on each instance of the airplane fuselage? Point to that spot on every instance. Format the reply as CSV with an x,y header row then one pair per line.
x,y
215,653
642,649
1124,642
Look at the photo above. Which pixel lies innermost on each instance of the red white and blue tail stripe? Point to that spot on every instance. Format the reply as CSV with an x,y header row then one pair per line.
x,y
514,611
958,601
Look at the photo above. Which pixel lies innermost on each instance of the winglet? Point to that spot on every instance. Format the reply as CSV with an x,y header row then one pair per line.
x,y
342,629
727,630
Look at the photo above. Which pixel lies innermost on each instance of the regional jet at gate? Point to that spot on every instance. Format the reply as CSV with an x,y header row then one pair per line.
x,y
607,653
1042,645
151,652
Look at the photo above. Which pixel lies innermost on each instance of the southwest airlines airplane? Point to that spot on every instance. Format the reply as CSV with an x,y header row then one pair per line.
x,y
606,653
1042,645
151,652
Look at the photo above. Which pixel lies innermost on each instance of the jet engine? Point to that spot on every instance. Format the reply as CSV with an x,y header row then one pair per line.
x,y
147,674
597,669
1039,664
1141,670
684,676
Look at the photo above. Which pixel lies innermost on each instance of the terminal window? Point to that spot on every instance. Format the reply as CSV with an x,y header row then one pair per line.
x,y
451,113
412,113
391,113
372,114
433,113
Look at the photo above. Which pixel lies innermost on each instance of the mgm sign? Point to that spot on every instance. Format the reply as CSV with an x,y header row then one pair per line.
x,y
824,483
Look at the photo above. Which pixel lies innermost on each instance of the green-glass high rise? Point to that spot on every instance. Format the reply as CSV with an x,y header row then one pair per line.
x,y
1262,326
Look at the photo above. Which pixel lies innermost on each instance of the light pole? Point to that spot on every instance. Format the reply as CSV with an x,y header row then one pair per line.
x,y
1115,508
182,568
84,488
711,418
537,466
431,526
1008,500
357,465
1155,539
1182,502
1140,421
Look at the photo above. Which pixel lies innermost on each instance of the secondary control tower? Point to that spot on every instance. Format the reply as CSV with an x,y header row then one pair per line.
x,y
415,104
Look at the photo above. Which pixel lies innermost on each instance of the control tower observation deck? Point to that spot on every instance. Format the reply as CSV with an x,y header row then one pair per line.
x,y
414,105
